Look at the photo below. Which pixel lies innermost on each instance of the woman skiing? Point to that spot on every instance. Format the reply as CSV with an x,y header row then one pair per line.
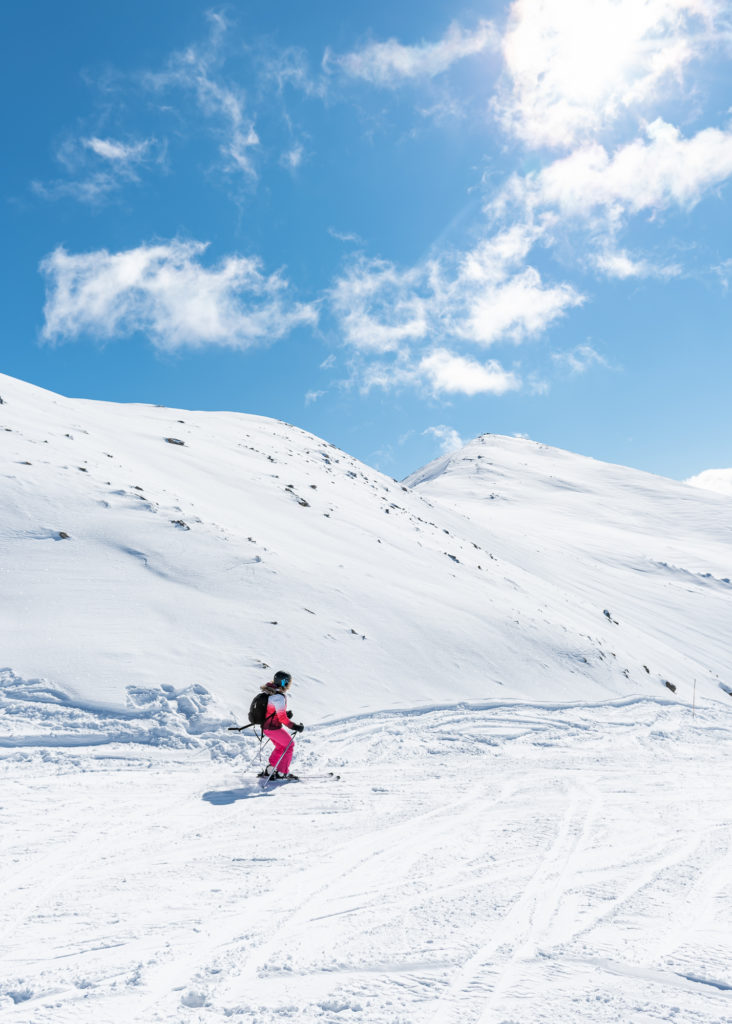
x,y
276,726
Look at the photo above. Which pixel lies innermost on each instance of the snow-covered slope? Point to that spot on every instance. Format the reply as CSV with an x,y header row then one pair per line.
x,y
530,827
192,570
584,538
514,864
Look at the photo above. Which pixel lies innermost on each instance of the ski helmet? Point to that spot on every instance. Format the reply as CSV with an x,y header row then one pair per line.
x,y
282,679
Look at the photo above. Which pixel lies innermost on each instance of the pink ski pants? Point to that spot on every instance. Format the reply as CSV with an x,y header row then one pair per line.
x,y
283,749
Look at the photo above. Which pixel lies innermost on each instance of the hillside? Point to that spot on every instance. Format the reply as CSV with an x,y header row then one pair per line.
x,y
198,567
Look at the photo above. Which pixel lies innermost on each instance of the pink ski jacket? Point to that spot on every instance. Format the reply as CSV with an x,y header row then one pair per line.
x,y
277,712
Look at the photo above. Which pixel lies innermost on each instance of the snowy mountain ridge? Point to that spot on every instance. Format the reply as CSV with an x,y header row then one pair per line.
x,y
204,550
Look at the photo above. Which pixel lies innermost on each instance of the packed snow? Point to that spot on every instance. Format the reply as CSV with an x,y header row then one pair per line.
x,y
517,660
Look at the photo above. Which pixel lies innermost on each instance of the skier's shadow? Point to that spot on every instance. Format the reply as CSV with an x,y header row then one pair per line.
x,y
221,797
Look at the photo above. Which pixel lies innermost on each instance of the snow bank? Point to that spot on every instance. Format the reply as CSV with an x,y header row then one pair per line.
x,y
36,714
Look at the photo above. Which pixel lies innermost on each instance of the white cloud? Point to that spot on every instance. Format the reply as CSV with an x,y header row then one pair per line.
x,y
483,296
313,396
164,291
401,322
438,373
378,307
719,480
516,308
390,63
450,440
448,373
597,192
119,152
662,170
580,359
573,67
620,264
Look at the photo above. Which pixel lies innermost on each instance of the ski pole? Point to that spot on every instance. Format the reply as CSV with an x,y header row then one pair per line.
x,y
241,728
257,755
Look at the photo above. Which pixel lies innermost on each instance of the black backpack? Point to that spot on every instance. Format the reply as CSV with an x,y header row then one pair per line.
x,y
258,710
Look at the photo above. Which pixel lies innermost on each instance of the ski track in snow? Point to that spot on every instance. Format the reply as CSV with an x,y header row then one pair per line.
x,y
500,864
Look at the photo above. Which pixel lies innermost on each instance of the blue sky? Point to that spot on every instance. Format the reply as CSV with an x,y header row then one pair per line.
x,y
395,225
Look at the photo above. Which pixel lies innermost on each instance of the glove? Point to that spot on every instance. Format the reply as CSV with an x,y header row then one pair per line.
x,y
297,727
289,714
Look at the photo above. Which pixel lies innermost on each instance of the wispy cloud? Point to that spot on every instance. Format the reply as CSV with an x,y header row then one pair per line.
x,y
391,63
290,67
724,273
292,159
164,291
98,168
93,189
574,68
198,69
580,359
345,236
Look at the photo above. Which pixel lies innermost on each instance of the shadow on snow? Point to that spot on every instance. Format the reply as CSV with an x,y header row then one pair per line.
x,y
220,797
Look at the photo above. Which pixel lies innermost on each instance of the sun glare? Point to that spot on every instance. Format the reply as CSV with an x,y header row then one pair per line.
x,y
574,64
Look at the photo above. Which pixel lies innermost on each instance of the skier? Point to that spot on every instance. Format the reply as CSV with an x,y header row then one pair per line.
x,y
276,724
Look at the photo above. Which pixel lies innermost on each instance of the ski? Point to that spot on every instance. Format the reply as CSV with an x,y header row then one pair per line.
x,y
327,777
